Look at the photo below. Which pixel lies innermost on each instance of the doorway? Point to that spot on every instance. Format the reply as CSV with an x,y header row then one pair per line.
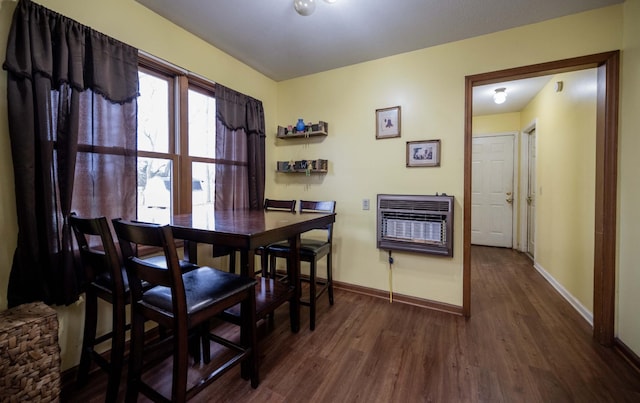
x,y
607,65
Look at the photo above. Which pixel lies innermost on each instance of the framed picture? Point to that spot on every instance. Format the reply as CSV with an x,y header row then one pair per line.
x,y
388,122
424,153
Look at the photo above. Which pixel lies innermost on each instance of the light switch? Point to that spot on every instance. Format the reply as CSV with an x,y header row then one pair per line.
x,y
365,204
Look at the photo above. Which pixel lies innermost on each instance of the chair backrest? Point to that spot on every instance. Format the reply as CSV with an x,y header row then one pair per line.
x,y
98,253
281,205
320,206
136,234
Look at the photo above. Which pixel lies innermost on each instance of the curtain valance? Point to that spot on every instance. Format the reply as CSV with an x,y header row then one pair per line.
x,y
238,111
43,42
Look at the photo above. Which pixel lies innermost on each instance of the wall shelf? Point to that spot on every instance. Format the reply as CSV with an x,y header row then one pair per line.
x,y
303,171
303,167
311,130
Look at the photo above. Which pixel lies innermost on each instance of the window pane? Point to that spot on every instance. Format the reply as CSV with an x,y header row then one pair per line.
x,y
154,190
202,125
203,188
153,113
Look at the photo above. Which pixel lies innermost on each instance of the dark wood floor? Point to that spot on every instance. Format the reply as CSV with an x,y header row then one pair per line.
x,y
523,343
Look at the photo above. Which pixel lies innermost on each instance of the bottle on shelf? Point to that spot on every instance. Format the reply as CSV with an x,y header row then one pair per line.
x,y
300,126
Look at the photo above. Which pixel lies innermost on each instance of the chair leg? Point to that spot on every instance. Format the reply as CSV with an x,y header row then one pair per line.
x,y
89,337
180,364
135,358
249,339
117,351
329,279
272,266
312,295
206,344
269,271
264,263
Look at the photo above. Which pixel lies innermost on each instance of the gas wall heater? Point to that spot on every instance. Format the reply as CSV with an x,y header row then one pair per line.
x,y
416,223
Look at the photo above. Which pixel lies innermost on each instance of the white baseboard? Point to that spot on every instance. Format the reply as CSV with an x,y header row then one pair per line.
x,y
582,310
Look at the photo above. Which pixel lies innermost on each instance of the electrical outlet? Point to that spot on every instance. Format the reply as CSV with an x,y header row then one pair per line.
x,y
365,204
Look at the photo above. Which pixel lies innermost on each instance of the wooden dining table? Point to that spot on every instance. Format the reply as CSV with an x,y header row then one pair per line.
x,y
247,230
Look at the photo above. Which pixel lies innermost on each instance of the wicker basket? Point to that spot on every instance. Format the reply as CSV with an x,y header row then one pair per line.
x,y
29,354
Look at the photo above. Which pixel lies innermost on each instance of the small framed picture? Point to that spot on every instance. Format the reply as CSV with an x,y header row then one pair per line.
x,y
424,153
388,122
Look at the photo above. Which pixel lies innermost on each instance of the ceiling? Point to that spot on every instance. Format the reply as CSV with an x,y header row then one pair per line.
x,y
271,37
519,94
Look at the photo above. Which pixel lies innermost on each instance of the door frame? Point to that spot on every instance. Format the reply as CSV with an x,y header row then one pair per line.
x,y
607,98
515,179
524,183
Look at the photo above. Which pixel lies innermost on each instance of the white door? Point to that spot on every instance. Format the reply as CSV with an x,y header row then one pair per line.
x,y
531,193
492,191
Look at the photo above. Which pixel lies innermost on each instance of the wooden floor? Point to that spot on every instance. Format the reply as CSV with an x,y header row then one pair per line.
x,y
523,343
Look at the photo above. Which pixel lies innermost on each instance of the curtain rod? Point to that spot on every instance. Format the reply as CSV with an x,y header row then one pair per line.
x,y
179,69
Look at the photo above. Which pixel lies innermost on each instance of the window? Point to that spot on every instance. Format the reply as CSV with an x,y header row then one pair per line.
x,y
176,143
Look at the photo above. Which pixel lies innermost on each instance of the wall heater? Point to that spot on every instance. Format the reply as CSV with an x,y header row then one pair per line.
x,y
416,223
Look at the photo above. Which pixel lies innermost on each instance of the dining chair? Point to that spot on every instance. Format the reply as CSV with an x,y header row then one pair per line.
x,y
104,279
269,205
273,205
311,250
184,303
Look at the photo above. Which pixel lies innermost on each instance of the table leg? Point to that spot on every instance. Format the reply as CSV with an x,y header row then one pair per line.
x,y
248,263
293,264
191,251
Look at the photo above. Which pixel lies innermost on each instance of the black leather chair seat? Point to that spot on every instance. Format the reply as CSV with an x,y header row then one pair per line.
x,y
204,287
161,261
308,247
104,280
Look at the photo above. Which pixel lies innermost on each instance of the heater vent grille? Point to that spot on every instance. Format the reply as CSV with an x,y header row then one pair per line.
x,y
416,223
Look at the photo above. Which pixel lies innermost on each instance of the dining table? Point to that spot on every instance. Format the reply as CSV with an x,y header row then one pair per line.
x,y
246,230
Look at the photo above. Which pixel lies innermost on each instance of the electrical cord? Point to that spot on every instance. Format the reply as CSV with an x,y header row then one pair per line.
x,y
390,278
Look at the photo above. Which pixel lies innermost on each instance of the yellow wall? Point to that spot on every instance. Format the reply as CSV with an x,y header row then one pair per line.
x,y
565,178
428,84
628,279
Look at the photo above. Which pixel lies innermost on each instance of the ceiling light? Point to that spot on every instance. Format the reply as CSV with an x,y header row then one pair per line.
x,y
304,7
500,95
307,7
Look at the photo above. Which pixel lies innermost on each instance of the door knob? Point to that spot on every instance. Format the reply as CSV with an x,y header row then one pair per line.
x,y
529,200
509,200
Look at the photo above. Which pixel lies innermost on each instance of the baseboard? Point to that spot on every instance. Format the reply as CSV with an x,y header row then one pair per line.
x,y
621,349
625,352
400,298
582,310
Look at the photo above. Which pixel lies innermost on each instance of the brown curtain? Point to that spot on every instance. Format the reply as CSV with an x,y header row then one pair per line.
x,y
72,122
240,151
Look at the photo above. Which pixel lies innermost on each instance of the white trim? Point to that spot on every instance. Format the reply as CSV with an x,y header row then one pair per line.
x,y
582,310
516,181
524,183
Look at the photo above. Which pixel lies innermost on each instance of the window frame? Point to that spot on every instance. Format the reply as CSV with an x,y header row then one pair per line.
x,y
180,82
